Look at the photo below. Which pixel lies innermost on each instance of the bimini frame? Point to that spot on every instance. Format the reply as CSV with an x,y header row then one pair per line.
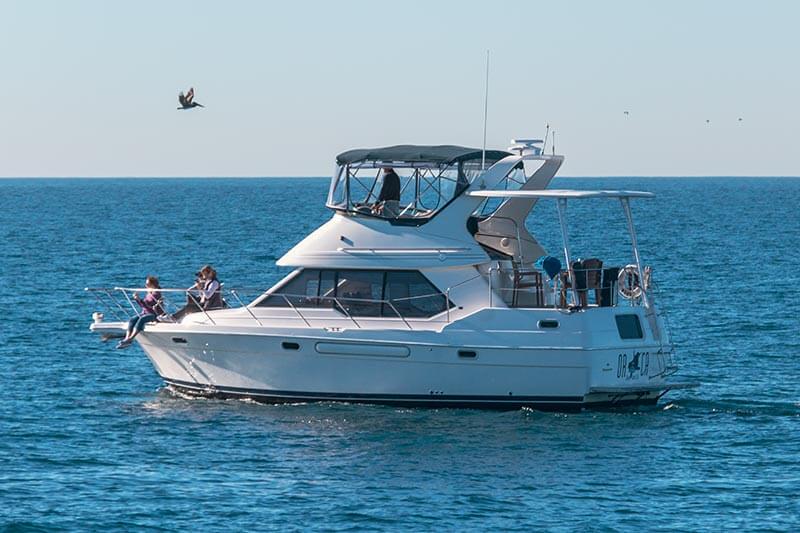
x,y
561,196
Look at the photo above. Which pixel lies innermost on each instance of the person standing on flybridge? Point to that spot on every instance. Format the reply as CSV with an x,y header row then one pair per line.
x,y
388,201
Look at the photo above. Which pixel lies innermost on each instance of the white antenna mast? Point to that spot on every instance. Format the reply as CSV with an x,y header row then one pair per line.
x,y
546,133
485,113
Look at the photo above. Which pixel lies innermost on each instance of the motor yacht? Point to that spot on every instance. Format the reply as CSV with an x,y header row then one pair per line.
x,y
436,295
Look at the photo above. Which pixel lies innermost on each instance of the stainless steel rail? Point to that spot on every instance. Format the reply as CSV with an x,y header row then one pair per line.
x,y
105,297
114,299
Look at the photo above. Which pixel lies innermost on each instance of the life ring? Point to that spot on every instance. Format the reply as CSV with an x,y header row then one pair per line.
x,y
628,283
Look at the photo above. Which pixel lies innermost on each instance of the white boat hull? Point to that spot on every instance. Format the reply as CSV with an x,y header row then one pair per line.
x,y
362,366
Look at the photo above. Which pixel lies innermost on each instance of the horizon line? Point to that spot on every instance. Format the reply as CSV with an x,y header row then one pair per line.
x,y
595,176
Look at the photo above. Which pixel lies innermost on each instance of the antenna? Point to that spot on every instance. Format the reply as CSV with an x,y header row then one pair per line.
x,y
546,133
553,146
485,113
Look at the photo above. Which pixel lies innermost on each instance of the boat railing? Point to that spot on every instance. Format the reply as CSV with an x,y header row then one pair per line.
x,y
668,349
119,301
529,289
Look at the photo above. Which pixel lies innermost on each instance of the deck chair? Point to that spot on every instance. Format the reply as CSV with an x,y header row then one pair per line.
x,y
593,271
608,287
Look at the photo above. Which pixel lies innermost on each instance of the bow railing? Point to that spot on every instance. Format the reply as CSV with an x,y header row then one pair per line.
x,y
121,303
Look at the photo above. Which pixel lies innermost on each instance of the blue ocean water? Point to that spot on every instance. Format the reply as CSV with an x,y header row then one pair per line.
x,y
89,440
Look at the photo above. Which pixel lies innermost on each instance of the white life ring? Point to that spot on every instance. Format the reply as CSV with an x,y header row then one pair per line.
x,y
628,283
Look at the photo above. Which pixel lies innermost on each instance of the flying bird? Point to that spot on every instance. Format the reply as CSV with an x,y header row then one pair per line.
x,y
740,119
187,100
708,121
626,113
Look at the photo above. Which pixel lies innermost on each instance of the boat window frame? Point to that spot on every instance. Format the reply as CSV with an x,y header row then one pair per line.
x,y
460,187
386,311
629,326
481,212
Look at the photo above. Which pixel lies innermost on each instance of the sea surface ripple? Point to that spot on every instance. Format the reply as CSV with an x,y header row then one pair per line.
x,y
91,440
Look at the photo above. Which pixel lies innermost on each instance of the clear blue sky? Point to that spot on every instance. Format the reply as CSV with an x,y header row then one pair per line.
x,y
88,88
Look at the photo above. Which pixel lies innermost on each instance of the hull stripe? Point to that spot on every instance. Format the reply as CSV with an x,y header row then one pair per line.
x,y
431,398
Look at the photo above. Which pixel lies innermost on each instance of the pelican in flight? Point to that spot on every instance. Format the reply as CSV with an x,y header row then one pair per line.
x,y
187,100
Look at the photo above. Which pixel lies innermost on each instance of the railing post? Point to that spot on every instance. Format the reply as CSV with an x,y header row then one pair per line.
x,y
233,292
296,310
626,207
346,312
491,290
562,221
115,301
103,304
398,314
125,294
190,295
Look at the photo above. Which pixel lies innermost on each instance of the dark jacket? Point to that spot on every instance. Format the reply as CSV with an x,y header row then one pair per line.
x,y
390,190
214,301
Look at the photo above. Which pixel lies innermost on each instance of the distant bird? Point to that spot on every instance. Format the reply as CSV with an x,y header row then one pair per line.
x,y
626,113
740,119
708,121
187,100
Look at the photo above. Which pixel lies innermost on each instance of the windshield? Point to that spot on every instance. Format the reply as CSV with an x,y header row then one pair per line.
x,y
512,181
404,192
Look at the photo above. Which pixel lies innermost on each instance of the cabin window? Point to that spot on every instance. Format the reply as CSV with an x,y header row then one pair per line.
x,y
412,295
360,291
300,291
629,326
327,285
364,293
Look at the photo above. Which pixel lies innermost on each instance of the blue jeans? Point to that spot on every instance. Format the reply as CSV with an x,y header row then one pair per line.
x,y
137,323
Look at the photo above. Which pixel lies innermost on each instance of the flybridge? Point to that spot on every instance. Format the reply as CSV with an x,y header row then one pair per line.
x,y
405,184
412,153
429,207
410,184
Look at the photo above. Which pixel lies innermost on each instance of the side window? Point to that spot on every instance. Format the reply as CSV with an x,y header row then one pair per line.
x,y
327,287
301,291
412,295
355,287
629,326
361,293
